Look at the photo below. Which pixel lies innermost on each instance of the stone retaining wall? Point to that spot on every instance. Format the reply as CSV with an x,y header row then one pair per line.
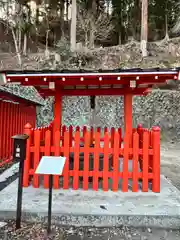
x,y
158,108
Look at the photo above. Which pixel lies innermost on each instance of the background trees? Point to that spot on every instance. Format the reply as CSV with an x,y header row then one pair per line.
x,y
94,23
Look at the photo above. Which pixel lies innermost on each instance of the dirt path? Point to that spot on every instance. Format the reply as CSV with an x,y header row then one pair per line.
x,y
170,162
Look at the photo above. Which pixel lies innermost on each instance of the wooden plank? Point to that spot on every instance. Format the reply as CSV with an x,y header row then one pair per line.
x,y
135,162
103,92
125,163
47,152
105,130
70,135
145,160
86,161
28,131
76,160
156,160
67,144
112,137
115,162
56,153
62,134
106,162
36,157
120,136
96,161
91,135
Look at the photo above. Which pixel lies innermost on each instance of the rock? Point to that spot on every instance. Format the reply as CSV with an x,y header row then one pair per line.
x,y
57,58
3,224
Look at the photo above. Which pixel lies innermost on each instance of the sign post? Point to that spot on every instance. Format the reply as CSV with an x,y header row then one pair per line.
x,y
19,155
50,203
50,166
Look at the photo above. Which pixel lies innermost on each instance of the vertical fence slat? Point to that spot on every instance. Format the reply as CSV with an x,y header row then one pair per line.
x,y
67,144
105,130
1,127
115,162
36,157
78,129
56,153
91,135
70,136
112,136
2,107
106,162
96,161
4,131
135,162
63,131
86,161
84,131
76,160
120,136
11,127
47,153
145,161
150,146
8,139
27,130
125,163
156,159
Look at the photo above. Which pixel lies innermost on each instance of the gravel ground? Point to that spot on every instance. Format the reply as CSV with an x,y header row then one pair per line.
x,y
170,162
38,232
170,167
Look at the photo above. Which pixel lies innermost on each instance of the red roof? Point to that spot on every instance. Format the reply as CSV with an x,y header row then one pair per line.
x,y
111,82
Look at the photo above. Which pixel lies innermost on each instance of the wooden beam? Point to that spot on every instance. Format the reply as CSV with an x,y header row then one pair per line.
x,y
103,92
57,110
128,113
72,81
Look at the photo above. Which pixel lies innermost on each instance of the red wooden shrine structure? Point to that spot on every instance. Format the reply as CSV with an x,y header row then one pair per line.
x,y
109,151
15,112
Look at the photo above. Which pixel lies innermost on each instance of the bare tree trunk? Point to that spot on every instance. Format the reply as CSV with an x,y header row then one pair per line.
x,y
166,27
92,22
47,54
25,45
19,38
16,47
67,10
73,25
62,18
166,24
144,27
91,36
86,38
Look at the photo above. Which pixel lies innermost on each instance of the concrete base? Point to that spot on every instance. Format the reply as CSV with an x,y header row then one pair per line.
x,y
100,209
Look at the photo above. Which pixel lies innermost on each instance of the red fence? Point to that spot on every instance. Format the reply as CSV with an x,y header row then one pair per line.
x,y
87,164
13,117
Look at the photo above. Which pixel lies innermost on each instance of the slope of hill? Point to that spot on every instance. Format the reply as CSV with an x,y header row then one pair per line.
x,y
159,108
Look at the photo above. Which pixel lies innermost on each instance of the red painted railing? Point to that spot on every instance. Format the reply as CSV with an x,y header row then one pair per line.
x,y
13,117
108,154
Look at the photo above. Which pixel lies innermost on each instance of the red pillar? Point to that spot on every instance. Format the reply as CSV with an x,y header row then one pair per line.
x,y
58,110
57,127
128,113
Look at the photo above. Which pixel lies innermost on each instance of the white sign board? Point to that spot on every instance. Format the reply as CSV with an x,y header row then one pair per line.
x,y
51,165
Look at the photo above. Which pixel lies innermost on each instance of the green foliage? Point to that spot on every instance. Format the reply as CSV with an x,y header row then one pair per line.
x,y
123,21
